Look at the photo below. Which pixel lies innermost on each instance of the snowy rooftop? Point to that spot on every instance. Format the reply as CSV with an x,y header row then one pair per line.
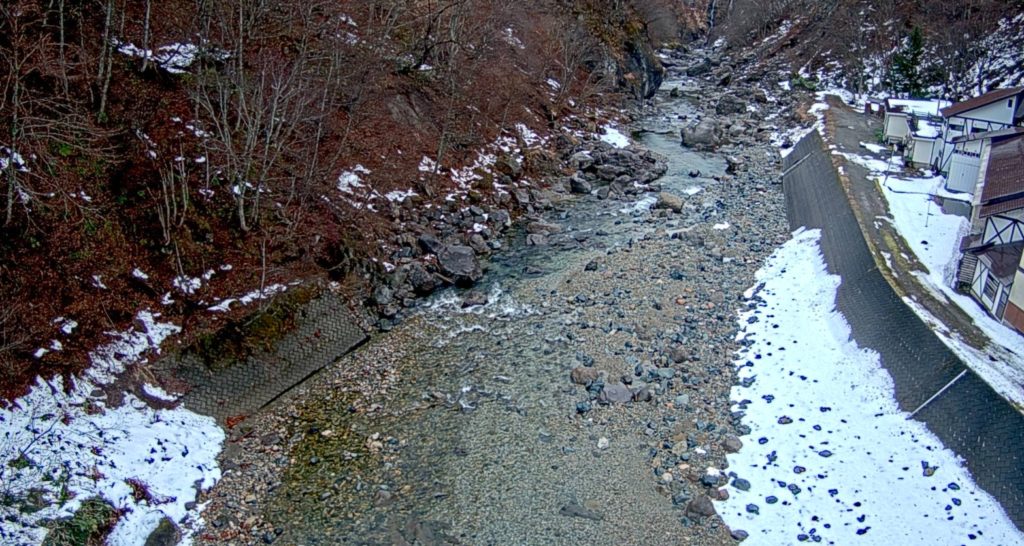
x,y
917,107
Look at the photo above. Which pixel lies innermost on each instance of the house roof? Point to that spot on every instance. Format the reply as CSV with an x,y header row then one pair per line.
x,y
1003,260
978,102
1004,174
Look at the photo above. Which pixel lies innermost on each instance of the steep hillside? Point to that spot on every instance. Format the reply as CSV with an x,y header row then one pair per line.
x,y
967,47
169,155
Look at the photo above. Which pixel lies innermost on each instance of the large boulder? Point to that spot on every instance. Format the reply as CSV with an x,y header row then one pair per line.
x,y
459,263
421,280
669,201
729,105
699,69
702,136
509,165
165,534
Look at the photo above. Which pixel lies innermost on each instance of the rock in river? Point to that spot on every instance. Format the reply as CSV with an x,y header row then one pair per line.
x,y
459,263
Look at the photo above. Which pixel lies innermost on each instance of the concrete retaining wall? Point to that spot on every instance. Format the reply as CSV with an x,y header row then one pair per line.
x,y
969,418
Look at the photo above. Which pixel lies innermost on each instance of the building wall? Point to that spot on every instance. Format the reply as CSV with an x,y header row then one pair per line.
x,y
988,299
963,172
897,126
1000,112
991,117
1014,316
1003,229
922,151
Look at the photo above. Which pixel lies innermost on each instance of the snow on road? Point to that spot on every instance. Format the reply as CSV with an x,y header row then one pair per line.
x,y
60,447
831,458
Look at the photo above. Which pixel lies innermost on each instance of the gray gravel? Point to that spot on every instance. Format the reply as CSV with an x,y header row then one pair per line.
x,y
584,402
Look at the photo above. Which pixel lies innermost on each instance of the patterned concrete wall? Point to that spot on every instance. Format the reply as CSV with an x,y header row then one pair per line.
x,y
970,418
324,332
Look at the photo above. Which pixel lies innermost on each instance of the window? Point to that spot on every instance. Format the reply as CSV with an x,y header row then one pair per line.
x,y
1009,103
991,287
956,127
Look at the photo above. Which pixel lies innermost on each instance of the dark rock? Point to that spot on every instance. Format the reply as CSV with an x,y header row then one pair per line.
x,y
641,71
460,264
422,281
701,506
669,201
165,534
739,535
584,376
574,510
729,105
615,393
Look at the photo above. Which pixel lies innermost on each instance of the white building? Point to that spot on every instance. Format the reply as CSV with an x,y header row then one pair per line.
x,y
991,267
903,116
964,124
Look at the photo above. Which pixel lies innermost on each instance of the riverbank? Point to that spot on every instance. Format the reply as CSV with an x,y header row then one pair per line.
x,y
586,400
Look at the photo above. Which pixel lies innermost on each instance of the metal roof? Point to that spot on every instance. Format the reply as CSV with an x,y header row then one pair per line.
x,y
978,102
1004,174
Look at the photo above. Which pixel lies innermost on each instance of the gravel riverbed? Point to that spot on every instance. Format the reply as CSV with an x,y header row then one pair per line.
x,y
579,394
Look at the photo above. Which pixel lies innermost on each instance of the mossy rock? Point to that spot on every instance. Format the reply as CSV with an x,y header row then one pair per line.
x,y
165,534
89,526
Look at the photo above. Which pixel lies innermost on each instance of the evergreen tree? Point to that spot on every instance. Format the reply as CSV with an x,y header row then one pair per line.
x,y
906,75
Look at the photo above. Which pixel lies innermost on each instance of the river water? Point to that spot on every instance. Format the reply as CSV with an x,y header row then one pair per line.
x,y
483,439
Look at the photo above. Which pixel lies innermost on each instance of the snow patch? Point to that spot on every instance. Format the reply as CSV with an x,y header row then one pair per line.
x,y
69,446
831,457
614,137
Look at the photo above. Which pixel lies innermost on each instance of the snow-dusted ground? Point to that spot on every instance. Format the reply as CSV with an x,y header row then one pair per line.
x,y
831,458
614,137
935,239
62,448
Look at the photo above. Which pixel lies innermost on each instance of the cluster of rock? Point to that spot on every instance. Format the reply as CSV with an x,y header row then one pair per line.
x,y
734,113
447,244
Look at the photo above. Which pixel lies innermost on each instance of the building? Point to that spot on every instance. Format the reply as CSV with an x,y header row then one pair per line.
x,y
970,154
999,109
991,267
903,116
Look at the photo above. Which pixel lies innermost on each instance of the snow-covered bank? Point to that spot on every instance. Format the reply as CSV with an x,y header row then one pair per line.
x,y
831,458
60,447
935,236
